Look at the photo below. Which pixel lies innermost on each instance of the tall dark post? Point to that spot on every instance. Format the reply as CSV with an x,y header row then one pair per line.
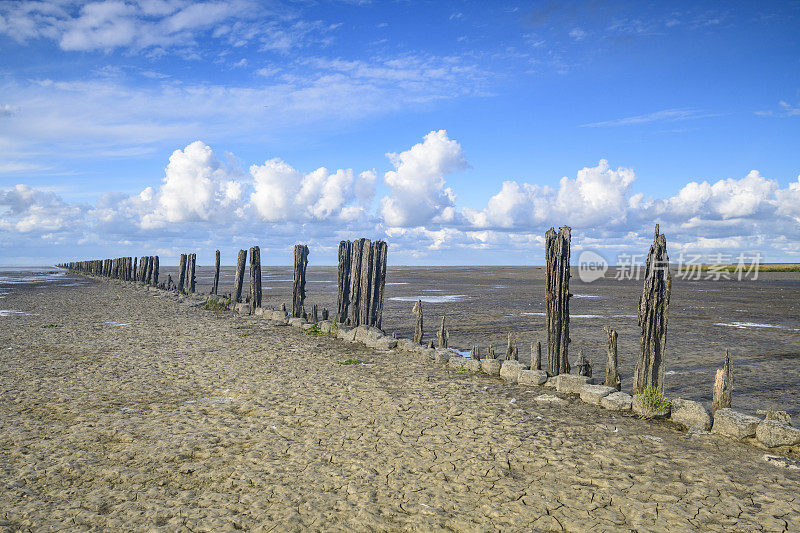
x,y
612,374
557,248
133,270
299,279
182,274
148,274
345,252
378,283
356,255
238,281
366,283
255,278
215,287
653,312
190,268
418,322
155,271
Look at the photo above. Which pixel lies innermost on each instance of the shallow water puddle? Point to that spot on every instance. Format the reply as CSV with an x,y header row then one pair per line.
x,y
445,298
9,312
744,325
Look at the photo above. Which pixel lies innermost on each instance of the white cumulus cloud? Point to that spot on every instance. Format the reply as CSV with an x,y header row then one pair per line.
x,y
418,194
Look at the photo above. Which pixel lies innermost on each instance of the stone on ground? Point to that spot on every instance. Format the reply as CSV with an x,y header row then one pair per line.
x,y
734,424
690,414
532,377
592,394
617,401
510,370
772,433
571,383
491,366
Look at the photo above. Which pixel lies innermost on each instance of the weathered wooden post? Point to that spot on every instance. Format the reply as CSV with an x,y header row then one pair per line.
x,y
299,279
356,254
418,322
377,282
584,365
490,353
557,249
443,336
475,353
365,290
511,350
343,303
182,273
238,280
612,374
536,356
148,276
723,385
255,278
134,270
215,287
314,314
324,314
190,274
155,271
653,313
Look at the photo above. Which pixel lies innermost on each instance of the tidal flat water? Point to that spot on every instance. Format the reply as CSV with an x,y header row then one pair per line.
x,y
757,320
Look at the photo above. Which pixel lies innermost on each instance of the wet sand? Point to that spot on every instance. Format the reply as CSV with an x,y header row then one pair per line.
x,y
139,412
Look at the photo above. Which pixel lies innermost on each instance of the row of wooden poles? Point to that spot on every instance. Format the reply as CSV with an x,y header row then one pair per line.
x,y
361,283
361,278
653,310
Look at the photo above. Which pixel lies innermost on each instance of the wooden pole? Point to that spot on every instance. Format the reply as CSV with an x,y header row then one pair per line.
x,y
357,251
653,313
536,356
215,287
366,283
557,249
417,310
723,385
443,336
255,278
379,284
612,374
182,274
155,271
191,274
299,279
238,280
343,301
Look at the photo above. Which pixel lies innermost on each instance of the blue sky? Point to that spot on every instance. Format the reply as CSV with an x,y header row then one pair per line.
x,y
459,132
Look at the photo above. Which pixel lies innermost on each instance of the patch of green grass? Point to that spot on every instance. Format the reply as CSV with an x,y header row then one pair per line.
x,y
217,304
352,362
51,326
653,401
334,328
313,330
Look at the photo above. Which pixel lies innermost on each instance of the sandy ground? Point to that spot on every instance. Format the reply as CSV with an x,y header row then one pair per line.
x,y
757,320
138,412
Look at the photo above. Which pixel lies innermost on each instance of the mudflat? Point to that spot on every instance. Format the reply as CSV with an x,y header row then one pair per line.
x,y
123,408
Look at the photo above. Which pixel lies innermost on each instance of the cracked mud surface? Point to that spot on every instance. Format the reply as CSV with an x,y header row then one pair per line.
x,y
187,420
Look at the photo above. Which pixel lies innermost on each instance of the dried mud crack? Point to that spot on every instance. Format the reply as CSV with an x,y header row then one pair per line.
x,y
138,412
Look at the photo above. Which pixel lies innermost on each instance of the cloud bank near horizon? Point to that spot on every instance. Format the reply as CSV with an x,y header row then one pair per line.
x,y
205,200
